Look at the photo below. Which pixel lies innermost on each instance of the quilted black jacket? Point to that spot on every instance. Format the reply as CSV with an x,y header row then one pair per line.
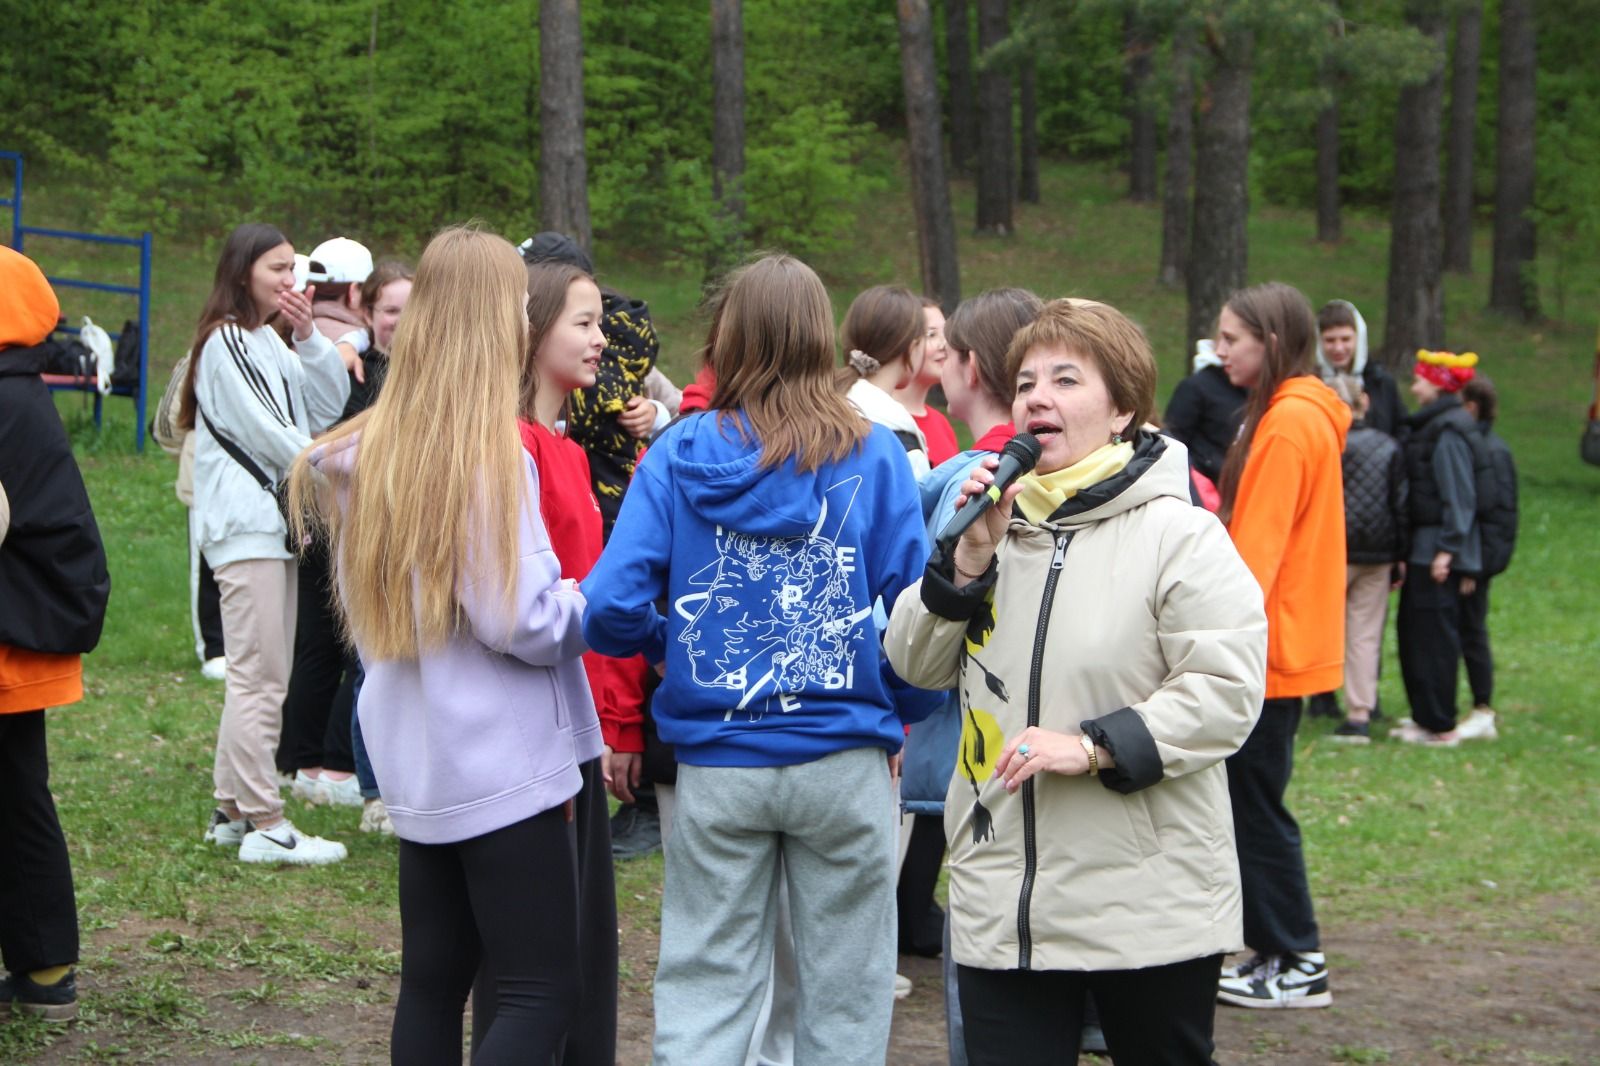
x,y
1376,527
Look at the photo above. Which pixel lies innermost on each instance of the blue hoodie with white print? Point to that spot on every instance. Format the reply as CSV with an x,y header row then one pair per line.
x,y
769,576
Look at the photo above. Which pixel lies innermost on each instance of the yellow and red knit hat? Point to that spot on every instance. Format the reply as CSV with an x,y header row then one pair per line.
x,y
1447,370
28,306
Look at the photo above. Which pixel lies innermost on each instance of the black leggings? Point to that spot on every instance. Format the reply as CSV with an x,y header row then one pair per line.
x,y
510,899
1160,1016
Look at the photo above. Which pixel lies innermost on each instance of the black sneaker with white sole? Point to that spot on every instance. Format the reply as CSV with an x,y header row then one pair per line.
x,y
53,1003
1293,979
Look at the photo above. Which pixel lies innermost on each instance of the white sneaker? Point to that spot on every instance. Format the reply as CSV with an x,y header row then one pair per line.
x,y
902,986
214,669
308,788
1479,725
345,792
225,833
284,780
375,818
283,843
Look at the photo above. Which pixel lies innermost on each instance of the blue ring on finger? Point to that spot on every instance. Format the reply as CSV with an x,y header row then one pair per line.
x,y
1022,750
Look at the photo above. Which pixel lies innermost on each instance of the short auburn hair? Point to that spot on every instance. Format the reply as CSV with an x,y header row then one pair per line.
x,y
1120,351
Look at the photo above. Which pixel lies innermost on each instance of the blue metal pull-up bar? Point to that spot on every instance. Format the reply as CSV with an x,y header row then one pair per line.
x,y
139,392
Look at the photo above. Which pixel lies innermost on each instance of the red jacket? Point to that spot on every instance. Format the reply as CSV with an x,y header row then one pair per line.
x,y
572,519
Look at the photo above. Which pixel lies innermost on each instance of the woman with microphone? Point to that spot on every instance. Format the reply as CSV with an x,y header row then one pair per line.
x,y
1108,648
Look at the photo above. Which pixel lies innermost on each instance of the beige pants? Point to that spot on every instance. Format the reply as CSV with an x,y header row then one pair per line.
x,y
258,615
1366,606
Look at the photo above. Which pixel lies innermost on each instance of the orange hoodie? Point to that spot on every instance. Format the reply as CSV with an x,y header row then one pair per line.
x,y
1288,524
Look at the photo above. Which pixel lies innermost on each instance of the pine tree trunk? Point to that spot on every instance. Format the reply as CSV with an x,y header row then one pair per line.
x,y
1180,161
936,223
1221,185
1330,224
1464,64
563,171
963,103
1141,116
1513,288
727,125
1028,116
1415,317
996,151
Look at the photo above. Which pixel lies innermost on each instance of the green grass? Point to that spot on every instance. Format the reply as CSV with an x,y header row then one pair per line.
x,y
178,935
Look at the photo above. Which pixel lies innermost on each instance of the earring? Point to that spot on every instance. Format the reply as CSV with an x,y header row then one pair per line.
x,y
1116,438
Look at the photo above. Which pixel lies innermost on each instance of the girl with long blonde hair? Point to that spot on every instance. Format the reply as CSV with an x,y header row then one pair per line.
x,y
770,524
475,709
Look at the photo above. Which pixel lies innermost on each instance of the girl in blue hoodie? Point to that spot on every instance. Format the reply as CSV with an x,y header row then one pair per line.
x,y
770,525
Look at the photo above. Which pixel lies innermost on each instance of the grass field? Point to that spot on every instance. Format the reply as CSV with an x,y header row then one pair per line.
x,y
190,956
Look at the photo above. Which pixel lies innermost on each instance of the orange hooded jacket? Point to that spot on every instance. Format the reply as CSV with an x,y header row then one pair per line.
x,y
30,680
1288,524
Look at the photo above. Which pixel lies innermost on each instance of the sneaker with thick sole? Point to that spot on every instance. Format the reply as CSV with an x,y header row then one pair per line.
x,y
340,792
53,1003
1479,725
1351,733
635,833
1287,981
224,832
284,844
214,669
1244,967
375,818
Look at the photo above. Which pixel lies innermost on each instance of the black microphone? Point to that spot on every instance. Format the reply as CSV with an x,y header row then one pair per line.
x,y
1018,457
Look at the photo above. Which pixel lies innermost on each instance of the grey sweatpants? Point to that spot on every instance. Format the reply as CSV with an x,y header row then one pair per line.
x,y
831,822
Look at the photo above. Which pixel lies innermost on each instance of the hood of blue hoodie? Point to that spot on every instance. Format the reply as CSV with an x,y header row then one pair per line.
x,y
717,454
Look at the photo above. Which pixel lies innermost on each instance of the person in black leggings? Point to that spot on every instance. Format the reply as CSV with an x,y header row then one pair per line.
x,y
510,899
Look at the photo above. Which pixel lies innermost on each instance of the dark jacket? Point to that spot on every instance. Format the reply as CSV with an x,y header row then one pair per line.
x,y
1376,520
363,394
1386,411
1445,464
1497,515
1204,414
631,350
53,580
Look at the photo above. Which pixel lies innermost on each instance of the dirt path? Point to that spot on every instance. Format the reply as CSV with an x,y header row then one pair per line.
x,y
1407,991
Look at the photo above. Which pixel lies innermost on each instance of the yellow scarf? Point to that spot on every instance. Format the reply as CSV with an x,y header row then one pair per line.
x,y
1042,494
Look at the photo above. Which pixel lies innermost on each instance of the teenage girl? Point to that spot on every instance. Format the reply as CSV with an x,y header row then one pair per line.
x,y
1283,503
884,337
936,428
770,524
475,708
254,404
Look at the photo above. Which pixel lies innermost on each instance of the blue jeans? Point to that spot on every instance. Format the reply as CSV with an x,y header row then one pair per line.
x,y
364,774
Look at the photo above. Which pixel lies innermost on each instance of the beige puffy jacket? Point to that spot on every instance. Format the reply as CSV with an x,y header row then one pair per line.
x,y
1128,616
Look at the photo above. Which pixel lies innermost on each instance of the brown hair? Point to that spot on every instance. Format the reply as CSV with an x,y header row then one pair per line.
x,y
982,328
1279,316
230,299
548,282
384,274
772,355
882,323
1120,351
1334,313
1481,391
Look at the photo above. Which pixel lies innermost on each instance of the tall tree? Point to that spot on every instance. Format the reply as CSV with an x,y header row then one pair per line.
x,y
1415,317
963,103
1464,63
1330,225
996,152
1512,287
1180,159
563,169
1137,63
936,223
1028,118
727,114
1221,178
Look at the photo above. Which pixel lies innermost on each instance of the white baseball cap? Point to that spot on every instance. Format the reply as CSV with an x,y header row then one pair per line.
x,y
340,259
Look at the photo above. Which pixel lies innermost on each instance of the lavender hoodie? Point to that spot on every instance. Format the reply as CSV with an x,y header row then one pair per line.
x,y
489,729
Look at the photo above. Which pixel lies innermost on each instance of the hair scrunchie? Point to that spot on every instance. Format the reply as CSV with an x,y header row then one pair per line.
x,y
864,364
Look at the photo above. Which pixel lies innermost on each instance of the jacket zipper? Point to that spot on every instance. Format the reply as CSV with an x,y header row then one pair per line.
x,y
1030,849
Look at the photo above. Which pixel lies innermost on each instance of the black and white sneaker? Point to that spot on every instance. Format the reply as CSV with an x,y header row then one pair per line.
x,y
1351,733
284,844
224,831
1244,969
1293,979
